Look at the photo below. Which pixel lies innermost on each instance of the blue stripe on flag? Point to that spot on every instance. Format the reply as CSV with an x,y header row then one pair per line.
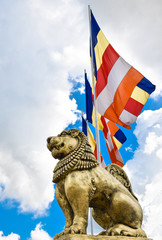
x,y
94,59
146,85
119,135
95,29
84,126
89,102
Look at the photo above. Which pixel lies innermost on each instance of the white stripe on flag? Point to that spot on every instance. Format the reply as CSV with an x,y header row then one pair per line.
x,y
103,164
118,156
116,75
109,141
127,117
107,120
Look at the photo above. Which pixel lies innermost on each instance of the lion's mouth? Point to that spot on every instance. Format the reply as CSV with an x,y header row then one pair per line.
x,y
54,146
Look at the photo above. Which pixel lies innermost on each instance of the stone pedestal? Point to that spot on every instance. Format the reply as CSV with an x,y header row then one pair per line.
x,y
98,237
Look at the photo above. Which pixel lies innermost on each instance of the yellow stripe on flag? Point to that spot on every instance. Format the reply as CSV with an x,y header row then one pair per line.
x,y
140,95
100,48
91,139
100,125
117,143
92,75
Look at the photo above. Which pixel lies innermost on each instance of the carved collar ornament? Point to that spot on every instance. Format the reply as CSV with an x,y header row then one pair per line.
x,y
80,158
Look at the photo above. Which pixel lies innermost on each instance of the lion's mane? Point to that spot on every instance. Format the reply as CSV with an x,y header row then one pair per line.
x,y
80,158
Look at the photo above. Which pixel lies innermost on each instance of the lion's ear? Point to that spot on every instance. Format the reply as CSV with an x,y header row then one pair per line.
x,y
74,132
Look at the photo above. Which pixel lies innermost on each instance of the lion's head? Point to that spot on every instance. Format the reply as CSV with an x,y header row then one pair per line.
x,y
61,145
74,152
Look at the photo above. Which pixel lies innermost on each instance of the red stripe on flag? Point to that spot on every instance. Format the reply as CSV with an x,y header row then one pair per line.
x,y
105,128
134,107
108,59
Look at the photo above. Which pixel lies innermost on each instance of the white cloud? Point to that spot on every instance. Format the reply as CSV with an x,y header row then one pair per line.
x,y
129,149
12,236
36,234
81,90
145,170
40,51
152,142
29,182
39,233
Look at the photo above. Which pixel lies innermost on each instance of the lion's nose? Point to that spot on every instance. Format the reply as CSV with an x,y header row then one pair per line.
x,y
49,139
52,140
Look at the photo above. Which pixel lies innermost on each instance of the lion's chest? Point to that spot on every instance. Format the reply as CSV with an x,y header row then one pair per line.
x,y
91,181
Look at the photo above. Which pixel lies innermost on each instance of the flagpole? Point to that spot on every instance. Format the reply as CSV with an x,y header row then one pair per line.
x,y
90,209
95,104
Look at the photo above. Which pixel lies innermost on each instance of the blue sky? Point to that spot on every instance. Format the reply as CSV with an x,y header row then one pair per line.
x,y
44,51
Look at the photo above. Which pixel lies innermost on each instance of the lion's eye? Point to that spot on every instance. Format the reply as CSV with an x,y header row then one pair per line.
x,y
62,144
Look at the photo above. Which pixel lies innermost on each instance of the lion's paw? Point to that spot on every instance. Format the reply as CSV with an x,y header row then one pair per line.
x,y
123,230
77,229
114,231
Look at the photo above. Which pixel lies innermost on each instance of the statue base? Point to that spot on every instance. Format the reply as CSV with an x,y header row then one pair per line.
x,y
98,237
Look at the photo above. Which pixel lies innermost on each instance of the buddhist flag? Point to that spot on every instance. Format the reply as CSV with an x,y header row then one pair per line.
x,y
121,91
116,133
114,137
91,140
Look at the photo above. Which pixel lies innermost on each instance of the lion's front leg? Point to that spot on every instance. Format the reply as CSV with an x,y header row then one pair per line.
x,y
80,210
78,197
66,208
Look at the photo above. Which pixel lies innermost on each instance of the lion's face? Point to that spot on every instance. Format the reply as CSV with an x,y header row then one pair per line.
x,y
61,145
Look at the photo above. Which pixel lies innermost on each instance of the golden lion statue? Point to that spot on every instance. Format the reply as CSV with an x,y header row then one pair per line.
x,y
82,183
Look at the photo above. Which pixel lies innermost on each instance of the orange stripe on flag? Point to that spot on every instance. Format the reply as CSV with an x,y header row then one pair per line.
x,y
125,89
110,114
114,128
